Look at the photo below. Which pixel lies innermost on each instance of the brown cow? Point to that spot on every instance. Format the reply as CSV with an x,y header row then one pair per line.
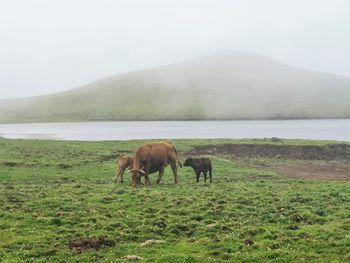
x,y
124,162
154,157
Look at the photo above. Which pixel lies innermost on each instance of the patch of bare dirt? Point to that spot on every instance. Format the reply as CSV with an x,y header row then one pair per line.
x,y
320,162
132,258
318,170
315,171
297,152
82,244
152,242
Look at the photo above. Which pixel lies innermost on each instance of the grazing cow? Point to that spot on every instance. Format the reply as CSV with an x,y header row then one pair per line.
x,y
154,157
124,162
200,165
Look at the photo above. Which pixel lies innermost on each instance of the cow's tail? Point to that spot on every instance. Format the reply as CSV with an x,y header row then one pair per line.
x,y
177,158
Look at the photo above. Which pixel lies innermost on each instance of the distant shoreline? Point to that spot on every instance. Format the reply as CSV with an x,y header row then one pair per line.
x,y
316,129
187,119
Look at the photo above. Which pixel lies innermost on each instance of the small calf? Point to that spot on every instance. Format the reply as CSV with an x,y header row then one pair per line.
x,y
200,165
124,162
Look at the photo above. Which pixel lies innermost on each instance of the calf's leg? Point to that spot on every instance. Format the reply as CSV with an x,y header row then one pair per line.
x,y
210,175
198,174
119,175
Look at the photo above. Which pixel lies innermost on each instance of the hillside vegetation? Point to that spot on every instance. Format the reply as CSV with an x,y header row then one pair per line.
x,y
226,85
58,203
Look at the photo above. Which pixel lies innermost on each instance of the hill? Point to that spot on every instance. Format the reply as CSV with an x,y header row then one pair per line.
x,y
226,85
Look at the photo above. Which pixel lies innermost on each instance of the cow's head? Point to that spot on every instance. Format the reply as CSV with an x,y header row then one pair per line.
x,y
188,161
136,176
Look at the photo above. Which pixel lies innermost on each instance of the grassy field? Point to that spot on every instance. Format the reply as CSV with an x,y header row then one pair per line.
x,y
58,203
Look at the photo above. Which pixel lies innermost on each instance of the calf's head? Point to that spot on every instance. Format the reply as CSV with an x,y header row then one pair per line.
x,y
188,161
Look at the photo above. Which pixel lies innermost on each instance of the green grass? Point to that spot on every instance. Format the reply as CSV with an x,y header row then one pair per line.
x,y
52,192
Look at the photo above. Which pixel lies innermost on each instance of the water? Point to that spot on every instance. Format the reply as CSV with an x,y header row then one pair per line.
x,y
338,129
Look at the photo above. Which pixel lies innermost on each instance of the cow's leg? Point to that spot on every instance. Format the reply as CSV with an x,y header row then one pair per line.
x,y
147,181
138,181
174,168
146,168
205,176
161,173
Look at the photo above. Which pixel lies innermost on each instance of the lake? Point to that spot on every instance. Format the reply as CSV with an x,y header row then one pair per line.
x,y
333,129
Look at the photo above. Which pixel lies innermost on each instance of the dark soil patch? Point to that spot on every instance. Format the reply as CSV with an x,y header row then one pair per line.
x,y
82,244
297,152
11,164
248,242
114,156
109,157
64,166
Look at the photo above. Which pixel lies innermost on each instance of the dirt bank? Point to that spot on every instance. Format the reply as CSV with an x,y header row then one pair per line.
x,y
297,152
326,162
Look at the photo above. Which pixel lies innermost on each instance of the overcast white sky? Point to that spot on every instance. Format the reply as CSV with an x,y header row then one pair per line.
x,y
48,46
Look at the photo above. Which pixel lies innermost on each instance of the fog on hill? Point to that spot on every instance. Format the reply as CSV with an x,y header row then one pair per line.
x,y
225,85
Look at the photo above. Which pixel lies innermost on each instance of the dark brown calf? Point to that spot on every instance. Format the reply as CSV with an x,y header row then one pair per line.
x,y
200,165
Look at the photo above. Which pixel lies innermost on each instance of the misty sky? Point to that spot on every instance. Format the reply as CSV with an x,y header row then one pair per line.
x,y
48,46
